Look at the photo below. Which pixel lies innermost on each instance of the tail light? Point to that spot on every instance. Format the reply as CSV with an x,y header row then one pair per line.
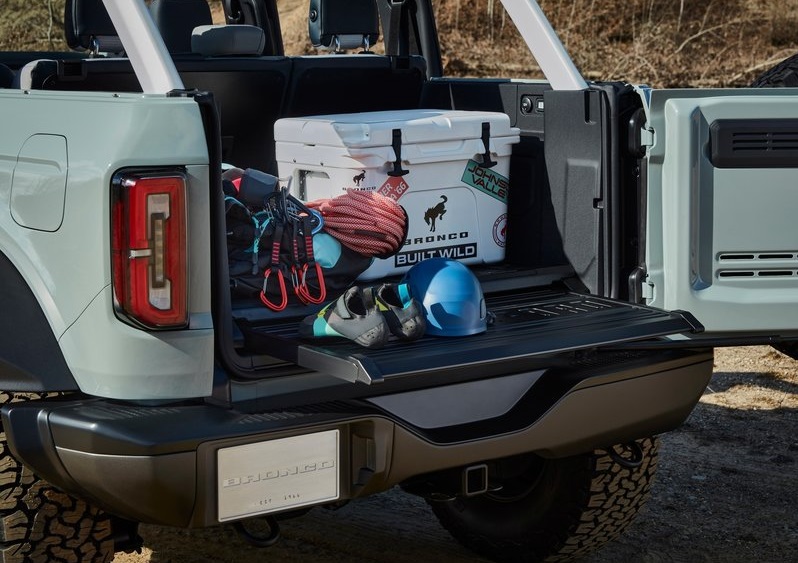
x,y
148,227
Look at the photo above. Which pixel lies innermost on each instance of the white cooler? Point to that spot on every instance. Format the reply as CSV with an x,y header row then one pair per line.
x,y
456,207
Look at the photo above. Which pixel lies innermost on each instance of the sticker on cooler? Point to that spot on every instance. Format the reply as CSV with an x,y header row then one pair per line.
x,y
500,230
394,187
359,178
486,180
362,181
443,223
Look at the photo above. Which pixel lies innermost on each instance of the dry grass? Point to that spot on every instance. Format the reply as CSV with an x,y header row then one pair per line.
x,y
664,43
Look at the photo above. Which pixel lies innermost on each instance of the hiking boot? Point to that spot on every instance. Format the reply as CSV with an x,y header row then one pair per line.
x,y
351,316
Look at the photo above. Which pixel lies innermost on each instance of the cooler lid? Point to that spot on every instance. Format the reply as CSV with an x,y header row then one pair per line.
x,y
375,129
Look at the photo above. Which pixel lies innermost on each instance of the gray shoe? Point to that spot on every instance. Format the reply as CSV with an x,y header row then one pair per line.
x,y
405,315
352,316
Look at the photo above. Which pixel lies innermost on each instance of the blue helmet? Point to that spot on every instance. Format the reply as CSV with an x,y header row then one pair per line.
x,y
451,295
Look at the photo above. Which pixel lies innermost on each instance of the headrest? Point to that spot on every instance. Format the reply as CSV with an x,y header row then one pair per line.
x,y
88,27
343,24
221,40
176,20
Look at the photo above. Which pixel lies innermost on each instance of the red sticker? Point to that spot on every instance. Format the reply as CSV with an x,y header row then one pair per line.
x,y
500,231
394,188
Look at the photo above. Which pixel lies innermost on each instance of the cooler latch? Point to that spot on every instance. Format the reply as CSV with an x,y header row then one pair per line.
x,y
486,161
396,145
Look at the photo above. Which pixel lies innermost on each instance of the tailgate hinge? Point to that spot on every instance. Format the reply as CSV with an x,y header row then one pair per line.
x,y
647,290
647,136
641,134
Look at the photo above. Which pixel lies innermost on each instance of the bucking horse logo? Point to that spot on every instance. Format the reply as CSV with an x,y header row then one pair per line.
x,y
435,213
359,178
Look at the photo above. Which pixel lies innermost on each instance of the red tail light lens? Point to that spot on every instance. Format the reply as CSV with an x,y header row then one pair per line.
x,y
149,249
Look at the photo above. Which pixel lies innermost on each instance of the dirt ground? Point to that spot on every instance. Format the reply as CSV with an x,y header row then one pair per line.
x,y
726,491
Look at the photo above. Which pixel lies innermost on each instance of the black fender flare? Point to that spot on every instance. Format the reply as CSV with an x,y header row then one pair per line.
x,y
30,357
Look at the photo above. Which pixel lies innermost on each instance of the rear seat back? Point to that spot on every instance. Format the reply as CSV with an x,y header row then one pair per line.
x,y
247,87
350,83
249,93
343,24
176,20
260,13
324,84
227,40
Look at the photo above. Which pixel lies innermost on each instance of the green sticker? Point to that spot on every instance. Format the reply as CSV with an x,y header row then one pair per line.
x,y
486,180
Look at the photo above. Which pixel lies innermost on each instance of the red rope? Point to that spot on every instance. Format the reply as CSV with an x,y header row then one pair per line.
x,y
365,221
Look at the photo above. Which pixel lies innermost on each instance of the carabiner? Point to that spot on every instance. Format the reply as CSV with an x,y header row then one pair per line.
x,y
304,288
295,283
281,286
295,263
274,266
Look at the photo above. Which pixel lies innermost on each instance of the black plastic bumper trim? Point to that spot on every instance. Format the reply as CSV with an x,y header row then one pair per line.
x,y
157,464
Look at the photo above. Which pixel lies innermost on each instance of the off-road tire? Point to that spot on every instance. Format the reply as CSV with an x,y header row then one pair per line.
x,y
39,523
562,510
783,75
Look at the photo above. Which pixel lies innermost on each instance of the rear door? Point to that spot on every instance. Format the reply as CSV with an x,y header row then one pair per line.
x,y
722,208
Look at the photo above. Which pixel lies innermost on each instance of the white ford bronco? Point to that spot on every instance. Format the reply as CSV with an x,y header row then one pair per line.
x,y
643,228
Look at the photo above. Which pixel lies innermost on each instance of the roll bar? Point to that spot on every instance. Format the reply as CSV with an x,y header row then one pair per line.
x,y
545,45
144,47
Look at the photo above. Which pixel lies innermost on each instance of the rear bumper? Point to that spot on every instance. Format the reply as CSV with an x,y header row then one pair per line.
x,y
159,464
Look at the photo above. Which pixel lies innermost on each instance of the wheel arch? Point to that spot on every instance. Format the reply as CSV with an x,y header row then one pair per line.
x,y
30,356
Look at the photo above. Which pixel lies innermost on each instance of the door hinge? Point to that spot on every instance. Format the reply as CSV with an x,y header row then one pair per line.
x,y
647,136
647,290
641,135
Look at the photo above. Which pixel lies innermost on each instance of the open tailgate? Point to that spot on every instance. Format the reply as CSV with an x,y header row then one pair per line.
x,y
526,325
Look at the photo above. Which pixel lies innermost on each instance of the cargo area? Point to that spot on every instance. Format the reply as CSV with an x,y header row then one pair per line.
x,y
554,286
544,291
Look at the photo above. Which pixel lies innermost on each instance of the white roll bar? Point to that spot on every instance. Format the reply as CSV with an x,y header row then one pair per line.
x,y
144,47
544,44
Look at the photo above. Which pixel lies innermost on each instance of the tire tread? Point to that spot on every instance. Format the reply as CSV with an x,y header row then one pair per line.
x,y
590,515
41,524
782,75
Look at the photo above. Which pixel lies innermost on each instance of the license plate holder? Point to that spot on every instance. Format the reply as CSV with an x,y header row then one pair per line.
x,y
276,475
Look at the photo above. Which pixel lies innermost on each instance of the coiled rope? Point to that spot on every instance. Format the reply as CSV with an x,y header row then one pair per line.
x,y
364,221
